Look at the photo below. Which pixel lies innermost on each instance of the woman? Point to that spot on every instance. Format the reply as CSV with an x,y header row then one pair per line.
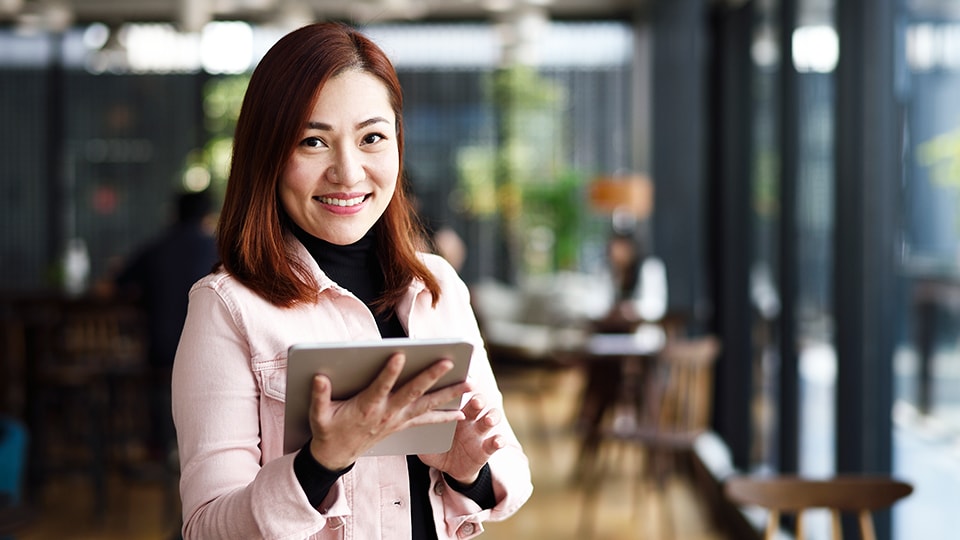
x,y
638,284
317,243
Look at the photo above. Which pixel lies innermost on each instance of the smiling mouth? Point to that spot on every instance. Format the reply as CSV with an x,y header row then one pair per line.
x,y
341,202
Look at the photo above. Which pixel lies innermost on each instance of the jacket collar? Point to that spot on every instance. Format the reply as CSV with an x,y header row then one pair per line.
x,y
301,255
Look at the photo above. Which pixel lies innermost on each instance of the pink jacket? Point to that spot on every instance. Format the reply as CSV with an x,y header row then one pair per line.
x,y
229,380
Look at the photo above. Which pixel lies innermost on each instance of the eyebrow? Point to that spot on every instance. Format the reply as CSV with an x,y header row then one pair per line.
x,y
322,126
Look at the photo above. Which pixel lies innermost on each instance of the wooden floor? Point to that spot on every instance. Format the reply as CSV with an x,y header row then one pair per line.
x,y
136,509
543,422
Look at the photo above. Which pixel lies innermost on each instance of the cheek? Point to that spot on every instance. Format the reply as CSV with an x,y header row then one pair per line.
x,y
290,188
294,176
389,170
287,200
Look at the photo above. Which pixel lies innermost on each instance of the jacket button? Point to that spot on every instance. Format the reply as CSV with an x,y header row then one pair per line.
x,y
467,529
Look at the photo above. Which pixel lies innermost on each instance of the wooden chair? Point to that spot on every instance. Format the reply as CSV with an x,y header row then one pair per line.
x,y
672,409
861,495
86,396
679,395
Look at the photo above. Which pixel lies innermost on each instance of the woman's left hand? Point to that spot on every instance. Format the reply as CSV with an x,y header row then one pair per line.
x,y
471,448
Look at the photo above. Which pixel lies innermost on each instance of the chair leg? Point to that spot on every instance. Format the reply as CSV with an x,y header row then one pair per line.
x,y
836,527
609,456
591,492
866,526
593,472
665,467
95,439
641,478
773,525
67,413
587,456
541,421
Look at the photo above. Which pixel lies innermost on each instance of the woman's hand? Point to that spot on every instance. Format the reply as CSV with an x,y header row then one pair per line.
x,y
344,430
471,447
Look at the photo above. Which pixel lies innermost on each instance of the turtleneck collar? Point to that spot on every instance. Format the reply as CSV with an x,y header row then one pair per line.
x,y
356,268
353,266
357,254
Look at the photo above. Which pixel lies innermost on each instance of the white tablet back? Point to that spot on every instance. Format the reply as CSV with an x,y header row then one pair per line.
x,y
351,366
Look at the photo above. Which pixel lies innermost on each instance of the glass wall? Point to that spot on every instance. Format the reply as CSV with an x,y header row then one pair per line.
x,y
927,360
88,161
792,201
815,55
99,136
926,363
766,204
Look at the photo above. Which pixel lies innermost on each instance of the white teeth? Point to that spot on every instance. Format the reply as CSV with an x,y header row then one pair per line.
x,y
341,202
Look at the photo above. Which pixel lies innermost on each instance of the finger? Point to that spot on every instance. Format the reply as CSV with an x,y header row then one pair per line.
x,y
422,382
438,399
490,420
474,407
434,402
387,378
482,425
434,416
491,445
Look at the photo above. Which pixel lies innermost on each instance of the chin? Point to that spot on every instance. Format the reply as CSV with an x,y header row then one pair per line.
x,y
342,240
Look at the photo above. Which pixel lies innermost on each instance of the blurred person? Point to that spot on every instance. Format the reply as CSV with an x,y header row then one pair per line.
x,y
159,275
318,243
637,282
447,243
442,239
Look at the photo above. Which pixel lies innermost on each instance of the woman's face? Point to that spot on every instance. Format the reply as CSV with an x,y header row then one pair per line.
x,y
343,172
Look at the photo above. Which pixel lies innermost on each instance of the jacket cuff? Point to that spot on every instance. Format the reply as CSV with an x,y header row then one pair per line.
x,y
315,479
480,491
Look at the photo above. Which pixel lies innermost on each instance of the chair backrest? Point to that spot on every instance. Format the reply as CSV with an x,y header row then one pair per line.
x,y
99,335
861,495
684,385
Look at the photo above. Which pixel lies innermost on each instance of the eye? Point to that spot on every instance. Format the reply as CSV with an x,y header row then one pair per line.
x,y
372,138
313,142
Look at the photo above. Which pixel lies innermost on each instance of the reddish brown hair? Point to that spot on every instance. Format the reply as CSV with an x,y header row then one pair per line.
x,y
252,223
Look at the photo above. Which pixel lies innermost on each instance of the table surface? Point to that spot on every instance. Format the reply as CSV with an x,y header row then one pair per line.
x,y
646,340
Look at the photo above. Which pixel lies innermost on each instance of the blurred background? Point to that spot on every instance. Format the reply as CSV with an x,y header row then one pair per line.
x,y
790,165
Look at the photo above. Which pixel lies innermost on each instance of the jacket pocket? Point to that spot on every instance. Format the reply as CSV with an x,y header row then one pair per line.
x,y
273,389
273,385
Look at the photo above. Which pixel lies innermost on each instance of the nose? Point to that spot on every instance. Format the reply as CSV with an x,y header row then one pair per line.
x,y
347,167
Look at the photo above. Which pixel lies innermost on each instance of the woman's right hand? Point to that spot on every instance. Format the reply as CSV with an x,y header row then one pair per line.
x,y
344,430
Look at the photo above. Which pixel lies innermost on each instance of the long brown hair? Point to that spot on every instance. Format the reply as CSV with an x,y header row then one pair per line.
x,y
252,223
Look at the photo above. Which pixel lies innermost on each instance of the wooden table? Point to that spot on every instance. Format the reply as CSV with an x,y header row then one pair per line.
x,y
613,398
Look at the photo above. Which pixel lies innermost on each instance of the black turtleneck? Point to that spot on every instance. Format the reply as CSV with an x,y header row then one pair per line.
x,y
356,268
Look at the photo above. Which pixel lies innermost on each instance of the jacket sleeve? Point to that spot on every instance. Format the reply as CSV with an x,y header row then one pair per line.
x,y
509,470
509,467
226,492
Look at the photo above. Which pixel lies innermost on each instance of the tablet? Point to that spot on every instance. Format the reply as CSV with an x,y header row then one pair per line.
x,y
352,366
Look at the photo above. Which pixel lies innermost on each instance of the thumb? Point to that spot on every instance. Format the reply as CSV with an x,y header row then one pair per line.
x,y
320,399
